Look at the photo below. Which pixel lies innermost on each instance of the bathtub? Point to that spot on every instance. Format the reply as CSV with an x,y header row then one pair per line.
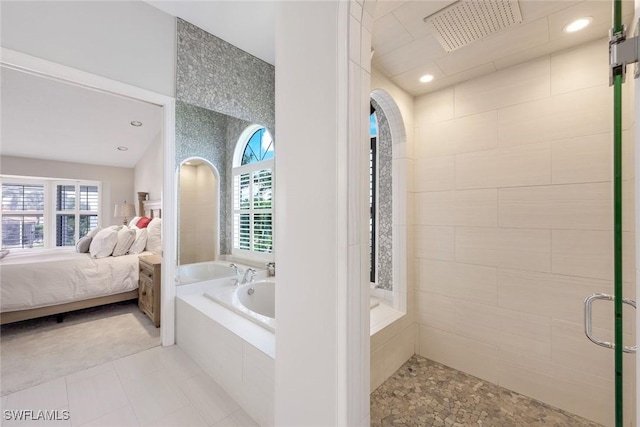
x,y
201,271
232,346
254,301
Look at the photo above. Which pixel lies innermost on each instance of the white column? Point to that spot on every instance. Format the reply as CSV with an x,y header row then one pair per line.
x,y
322,338
637,201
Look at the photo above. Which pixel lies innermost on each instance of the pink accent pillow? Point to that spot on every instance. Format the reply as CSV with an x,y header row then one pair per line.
x,y
143,222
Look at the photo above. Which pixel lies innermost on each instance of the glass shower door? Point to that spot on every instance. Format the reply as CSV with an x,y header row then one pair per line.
x,y
623,51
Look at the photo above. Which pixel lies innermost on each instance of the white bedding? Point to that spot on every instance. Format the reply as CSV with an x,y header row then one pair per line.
x,y
58,276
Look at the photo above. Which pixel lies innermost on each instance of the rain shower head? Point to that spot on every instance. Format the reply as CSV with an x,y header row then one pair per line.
x,y
466,21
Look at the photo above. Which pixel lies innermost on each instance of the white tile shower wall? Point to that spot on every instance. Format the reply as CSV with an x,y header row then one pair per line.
x,y
390,348
514,228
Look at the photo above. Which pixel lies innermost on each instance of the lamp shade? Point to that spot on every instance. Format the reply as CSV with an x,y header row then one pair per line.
x,y
125,211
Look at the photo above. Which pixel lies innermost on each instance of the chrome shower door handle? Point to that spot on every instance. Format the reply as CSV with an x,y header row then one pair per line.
x,y
588,324
588,328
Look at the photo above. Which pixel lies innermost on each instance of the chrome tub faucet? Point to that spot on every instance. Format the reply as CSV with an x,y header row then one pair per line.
x,y
248,275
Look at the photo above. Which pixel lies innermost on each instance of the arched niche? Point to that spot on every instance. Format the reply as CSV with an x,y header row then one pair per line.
x,y
199,211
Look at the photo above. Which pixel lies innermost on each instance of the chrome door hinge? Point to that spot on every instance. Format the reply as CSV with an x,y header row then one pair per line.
x,y
622,52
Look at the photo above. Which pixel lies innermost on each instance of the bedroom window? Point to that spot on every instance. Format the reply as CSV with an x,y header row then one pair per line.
x,y
23,216
76,211
47,213
253,188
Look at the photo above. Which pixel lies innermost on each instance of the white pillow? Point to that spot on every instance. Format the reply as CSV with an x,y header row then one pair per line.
x,y
103,243
126,237
154,238
83,244
132,223
141,241
93,232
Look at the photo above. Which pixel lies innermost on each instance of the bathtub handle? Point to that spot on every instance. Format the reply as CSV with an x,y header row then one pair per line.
x,y
235,267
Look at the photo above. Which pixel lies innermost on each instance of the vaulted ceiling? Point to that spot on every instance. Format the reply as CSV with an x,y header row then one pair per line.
x,y
48,119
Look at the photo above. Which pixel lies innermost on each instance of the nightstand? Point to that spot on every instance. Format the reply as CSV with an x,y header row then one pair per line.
x,y
149,287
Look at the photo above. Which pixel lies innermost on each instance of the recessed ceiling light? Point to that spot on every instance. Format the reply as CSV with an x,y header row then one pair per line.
x,y
136,123
426,78
122,148
578,24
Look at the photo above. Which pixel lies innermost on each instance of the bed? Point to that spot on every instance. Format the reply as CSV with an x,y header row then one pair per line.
x,y
55,281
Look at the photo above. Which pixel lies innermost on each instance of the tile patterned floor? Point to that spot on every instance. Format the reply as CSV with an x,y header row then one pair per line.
x,y
161,386
425,393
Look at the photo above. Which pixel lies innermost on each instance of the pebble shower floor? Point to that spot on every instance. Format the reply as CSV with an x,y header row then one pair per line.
x,y
423,393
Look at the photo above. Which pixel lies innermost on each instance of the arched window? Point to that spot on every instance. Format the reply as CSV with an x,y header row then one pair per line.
x,y
258,148
253,194
373,174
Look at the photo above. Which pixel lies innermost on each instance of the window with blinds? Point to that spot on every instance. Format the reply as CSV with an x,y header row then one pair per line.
x,y
373,174
253,210
22,215
253,196
47,213
76,211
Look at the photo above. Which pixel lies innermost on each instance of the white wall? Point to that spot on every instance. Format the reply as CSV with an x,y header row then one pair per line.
x,y
117,183
514,228
127,41
149,170
322,364
635,94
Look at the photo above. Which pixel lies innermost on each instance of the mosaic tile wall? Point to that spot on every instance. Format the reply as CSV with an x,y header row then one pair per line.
x,y
385,201
221,90
216,75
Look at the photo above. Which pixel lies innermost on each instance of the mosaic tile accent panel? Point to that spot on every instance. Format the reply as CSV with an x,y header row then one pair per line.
x,y
425,393
385,201
218,76
221,90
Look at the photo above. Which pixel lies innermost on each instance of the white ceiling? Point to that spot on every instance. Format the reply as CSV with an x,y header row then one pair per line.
x,y
85,126
405,49
47,119
249,25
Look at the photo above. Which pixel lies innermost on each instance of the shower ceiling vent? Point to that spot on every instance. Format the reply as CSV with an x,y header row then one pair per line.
x,y
466,21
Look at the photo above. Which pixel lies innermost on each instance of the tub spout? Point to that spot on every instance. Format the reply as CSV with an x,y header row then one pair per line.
x,y
248,275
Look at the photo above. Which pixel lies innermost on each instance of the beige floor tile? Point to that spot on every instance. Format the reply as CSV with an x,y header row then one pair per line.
x,y
95,396
185,416
154,396
123,417
210,401
50,395
238,419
